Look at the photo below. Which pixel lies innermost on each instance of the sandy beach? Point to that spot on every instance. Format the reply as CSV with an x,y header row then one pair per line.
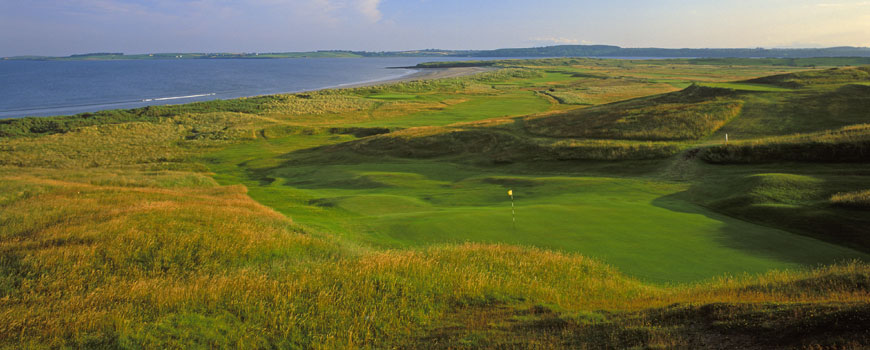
x,y
427,74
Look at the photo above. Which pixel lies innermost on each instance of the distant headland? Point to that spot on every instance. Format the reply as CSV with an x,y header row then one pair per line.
x,y
547,51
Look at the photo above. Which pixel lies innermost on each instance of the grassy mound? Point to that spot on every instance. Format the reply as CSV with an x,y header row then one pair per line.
x,y
817,77
689,114
798,202
801,111
849,144
502,146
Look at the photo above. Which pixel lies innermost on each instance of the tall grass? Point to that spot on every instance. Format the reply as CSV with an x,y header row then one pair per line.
x,y
817,77
848,144
856,199
112,236
170,140
676,116
497,146
184,267
316,103
157,267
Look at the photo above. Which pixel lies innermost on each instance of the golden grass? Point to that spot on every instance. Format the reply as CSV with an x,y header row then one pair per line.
x,y
170,140
98,249
847,144
857,199
130,265
638,121
317,103
602,91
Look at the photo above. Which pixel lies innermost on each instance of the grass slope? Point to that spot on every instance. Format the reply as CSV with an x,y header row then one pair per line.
x,y
689,114
407,203
362,218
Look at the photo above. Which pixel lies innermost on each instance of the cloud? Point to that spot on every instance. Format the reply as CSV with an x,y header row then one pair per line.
x,y
369,9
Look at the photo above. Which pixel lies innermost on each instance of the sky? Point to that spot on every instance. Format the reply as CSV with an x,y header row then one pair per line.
x,y
63,27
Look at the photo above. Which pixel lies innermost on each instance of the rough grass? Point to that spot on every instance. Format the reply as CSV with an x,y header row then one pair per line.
x,y
592,89
209,267
817,77
132,267
857,199
848,144
683,115
113,235
169,140
482,144
317,103
801,111
747,87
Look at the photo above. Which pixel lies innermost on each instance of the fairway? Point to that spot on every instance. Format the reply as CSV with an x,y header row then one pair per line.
x,y
636,225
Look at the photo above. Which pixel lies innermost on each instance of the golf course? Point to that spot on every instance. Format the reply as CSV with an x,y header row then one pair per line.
x,y
670,203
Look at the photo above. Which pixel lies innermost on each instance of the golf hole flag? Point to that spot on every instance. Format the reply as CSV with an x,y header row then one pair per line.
x,y
513,211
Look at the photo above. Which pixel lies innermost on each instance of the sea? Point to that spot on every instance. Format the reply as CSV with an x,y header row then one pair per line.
x,y
47,88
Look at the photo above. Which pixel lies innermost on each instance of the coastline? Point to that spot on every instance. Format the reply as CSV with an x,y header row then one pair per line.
x,y
416,74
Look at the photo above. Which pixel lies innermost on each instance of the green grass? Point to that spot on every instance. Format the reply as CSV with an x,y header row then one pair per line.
x,y
795,197
817,77
413,203
471,108
392,96
746,87
499,141
845,145
364,218
805,111
688,114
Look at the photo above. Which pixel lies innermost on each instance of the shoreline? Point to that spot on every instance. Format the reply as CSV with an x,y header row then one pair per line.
x,y
418,74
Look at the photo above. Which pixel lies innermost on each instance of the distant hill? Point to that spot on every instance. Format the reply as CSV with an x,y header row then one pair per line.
x,y
616,51
547,51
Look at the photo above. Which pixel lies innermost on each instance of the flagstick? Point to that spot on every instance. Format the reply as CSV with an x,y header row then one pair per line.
x,y
513,211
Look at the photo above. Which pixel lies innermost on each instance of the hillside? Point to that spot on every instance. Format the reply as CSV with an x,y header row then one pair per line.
x,y
378,217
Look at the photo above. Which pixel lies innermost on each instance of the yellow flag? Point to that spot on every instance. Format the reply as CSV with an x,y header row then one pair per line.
x,y
511,193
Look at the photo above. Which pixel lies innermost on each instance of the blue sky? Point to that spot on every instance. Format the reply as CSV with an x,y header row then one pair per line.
x,y
61,27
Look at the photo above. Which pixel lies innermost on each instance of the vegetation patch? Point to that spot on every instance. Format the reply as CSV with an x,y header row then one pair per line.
x,y
686,115
379,217
857,199
849,144
817,77
501,146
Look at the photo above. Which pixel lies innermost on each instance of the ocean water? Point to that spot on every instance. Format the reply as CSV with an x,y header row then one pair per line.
x,y
44,88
